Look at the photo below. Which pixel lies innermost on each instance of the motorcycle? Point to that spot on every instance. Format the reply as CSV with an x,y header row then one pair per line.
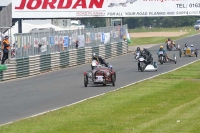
x,y
94,64
170,46
141,64
161,57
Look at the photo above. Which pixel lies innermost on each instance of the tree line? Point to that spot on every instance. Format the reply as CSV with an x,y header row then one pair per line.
x,y
164,22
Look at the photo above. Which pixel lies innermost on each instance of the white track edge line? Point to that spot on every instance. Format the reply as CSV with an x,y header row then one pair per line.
x,y
100,94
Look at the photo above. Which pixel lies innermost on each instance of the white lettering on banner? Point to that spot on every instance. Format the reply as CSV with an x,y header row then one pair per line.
x,y
105,8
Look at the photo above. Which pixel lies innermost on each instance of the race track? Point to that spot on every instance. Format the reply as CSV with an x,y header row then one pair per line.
x,y
25,97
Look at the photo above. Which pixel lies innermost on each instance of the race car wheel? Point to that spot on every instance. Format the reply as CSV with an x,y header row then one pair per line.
x,y
85,81
113,80
104,84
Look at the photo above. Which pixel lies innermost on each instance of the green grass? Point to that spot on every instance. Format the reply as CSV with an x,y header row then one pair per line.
x,y
156,105
157,40
176,29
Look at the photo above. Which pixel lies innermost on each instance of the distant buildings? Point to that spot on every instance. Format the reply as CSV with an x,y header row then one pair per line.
x,y
65,23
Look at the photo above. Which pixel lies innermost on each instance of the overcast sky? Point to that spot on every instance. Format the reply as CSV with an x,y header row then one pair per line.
x,y
5,2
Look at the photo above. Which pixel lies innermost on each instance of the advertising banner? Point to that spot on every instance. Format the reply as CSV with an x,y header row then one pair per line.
x,y
81,40
44,48
103,8
102,37
51,40
88,38
66,41
18,41
107,38
36,42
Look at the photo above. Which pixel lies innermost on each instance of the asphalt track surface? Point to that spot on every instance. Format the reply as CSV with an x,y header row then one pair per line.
x,y
25,97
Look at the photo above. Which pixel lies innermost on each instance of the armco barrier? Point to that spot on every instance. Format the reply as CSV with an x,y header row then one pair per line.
x,y
34,65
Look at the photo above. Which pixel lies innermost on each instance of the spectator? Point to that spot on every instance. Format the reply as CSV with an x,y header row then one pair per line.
x,y
77,44
5,47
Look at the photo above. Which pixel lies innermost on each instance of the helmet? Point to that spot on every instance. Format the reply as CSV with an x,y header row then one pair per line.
x,y
94,54
186,45
192,45
6,37
138,48
161,46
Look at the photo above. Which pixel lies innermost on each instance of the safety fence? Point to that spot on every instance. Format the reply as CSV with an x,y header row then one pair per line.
x,y
34,65
41,42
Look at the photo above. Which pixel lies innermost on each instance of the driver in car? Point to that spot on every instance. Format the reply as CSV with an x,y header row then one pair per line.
x,y
164,52
99,59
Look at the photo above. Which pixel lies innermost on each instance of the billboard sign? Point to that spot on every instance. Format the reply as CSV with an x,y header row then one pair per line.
x,y
103,8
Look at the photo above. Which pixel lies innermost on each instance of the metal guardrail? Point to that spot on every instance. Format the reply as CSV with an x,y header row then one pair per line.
x,y
42,43
34,65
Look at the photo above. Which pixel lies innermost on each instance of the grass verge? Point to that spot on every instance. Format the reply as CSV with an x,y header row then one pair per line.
x,y
168,103
176,29
157,40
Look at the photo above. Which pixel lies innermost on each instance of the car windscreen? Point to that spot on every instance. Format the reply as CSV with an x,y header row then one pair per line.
x,y
197,23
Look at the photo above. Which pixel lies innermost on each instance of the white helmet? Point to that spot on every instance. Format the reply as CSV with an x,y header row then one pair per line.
x,y
191,45
94,54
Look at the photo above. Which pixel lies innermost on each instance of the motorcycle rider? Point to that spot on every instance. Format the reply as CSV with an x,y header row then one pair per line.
x,y
164,53
148,56
168,39
138,50
186,46
192,47
99,59
173,44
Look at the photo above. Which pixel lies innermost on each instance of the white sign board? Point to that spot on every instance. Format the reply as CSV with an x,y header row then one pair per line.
x,y
44,48
103,8
81,40
107,38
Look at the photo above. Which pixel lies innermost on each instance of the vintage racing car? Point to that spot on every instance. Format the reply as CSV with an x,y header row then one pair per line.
x,y
100,75
188,52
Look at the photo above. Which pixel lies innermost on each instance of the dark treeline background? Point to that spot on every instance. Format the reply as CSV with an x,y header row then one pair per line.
x,y
165,22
